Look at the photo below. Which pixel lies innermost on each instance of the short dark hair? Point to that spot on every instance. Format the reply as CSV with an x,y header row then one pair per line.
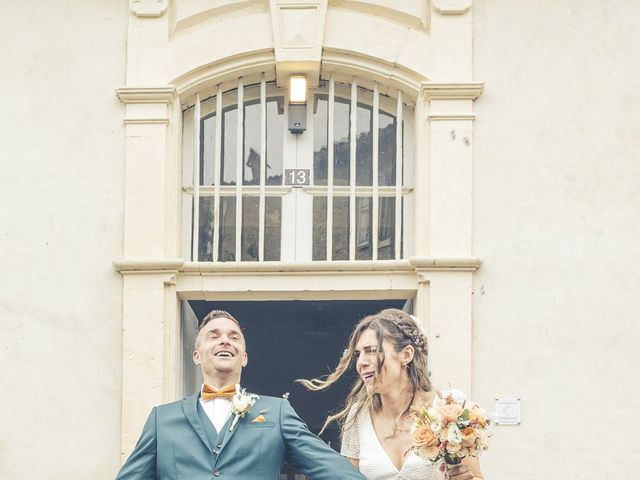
x,y
217,314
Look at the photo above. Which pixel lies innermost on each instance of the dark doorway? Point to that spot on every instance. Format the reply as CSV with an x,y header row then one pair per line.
x,y
287,340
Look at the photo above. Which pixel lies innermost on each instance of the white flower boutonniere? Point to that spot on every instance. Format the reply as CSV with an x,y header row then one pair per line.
x,y
241,404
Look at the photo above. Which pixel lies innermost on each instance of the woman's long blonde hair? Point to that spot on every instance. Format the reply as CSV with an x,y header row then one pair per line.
x,y
401,330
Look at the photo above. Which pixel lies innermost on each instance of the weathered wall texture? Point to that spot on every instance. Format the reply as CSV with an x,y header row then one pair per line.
x,y
61,202
557,223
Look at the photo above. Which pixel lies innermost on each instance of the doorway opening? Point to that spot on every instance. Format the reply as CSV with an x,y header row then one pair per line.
x,y
287,340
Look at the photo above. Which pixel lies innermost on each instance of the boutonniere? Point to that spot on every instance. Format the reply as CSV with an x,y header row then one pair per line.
x,y
241,404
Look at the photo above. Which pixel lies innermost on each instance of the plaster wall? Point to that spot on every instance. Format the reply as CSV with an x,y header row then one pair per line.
x,y
557,221
61,205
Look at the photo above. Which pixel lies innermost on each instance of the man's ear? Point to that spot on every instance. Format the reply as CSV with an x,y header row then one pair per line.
x,y
246,360
196,357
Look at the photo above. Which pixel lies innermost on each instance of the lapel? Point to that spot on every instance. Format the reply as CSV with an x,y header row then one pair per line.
x,y
190,409
225,433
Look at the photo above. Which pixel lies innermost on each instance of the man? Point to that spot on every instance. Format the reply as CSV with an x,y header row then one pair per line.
x,y
216,433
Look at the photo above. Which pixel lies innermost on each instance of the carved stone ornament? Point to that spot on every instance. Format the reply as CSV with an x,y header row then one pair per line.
x,y
148,8
452,7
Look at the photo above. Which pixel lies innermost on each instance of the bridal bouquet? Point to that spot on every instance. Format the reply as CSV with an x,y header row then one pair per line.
x,y
450,429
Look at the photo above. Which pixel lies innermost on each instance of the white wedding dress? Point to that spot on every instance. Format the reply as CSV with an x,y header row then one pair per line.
x,y
360,441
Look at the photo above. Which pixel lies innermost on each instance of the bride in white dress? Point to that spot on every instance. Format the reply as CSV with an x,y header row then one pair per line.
x,y
390,356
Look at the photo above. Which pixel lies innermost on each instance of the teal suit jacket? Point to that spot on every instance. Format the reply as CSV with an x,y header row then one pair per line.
x,y
176,444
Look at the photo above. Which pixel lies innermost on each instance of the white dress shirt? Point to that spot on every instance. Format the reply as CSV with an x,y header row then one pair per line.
x,y
218,410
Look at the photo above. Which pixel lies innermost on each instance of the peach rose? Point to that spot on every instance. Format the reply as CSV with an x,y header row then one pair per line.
x,y
453,447
424,437
430,453
450,412
468,436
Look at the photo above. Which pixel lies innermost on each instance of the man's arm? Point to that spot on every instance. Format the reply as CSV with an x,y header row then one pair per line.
x,y
141,464
310,454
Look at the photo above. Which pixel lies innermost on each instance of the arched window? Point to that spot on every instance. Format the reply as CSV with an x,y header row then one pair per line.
x,y
356,153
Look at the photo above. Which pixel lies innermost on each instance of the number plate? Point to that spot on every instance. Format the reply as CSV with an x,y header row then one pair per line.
x,y
297,177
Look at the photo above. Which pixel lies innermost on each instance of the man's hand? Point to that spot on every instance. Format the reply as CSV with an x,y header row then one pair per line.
x,y
459,472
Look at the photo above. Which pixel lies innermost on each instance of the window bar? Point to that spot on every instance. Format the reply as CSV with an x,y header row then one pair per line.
x,y
352,170
216,175
263,163
239,166
399,169
196,180
330,168
374,222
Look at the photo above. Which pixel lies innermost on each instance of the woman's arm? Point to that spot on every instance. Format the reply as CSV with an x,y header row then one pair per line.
x,y
355,462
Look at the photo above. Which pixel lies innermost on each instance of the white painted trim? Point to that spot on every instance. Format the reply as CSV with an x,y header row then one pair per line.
x,y
451,90
195,232
399,175
374,173
164,94
230,190
347,64
344,191
216,176
127,265
146,121
239,167
263,163
353,133
450,116
330,190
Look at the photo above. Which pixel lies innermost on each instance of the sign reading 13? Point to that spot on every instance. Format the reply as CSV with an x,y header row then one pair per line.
x,y
297,177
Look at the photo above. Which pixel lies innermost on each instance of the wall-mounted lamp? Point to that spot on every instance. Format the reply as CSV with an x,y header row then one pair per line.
x,y
297,103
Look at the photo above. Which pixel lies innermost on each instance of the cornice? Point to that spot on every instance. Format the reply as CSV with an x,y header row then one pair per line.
x,y
373,68
126,265
146,94
444,263
451,90
146,121
450,116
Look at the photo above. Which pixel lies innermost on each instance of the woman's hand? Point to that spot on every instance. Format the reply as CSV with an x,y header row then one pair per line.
x,y
460,472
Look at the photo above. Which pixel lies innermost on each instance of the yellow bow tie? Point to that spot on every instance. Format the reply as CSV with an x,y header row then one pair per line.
x,y
209,392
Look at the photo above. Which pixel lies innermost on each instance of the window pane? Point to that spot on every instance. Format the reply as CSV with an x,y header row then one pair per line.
x,y
386,149
364,149
250,215
275,137
363,228
319,246
205,238
272,228
227,245
207,149
341,112
229,136
251,153
320,135
386,228
340,250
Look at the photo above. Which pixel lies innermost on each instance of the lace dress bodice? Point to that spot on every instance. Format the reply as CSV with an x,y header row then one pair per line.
x,y
361,442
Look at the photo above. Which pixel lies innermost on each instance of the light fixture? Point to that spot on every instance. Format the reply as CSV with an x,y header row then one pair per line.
x,y
297,104
297,89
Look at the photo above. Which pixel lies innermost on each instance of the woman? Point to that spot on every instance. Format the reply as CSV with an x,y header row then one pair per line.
x,y
393,377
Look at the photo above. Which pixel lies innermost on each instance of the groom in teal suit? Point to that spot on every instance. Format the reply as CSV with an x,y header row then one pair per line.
x,y
223,432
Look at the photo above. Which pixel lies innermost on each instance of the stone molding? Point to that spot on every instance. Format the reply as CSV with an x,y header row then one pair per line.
x,y
146,94
148,8
412,264
450,116
298,34
452,7
372,69
451,90
126,265
146,121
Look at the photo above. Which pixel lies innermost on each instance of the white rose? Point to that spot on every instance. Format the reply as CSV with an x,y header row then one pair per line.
x,y
454,435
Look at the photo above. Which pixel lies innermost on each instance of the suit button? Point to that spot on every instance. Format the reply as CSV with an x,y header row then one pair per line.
x,y
219,445
216,473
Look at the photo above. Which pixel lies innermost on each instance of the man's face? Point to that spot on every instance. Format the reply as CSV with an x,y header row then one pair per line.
x,y
220,349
